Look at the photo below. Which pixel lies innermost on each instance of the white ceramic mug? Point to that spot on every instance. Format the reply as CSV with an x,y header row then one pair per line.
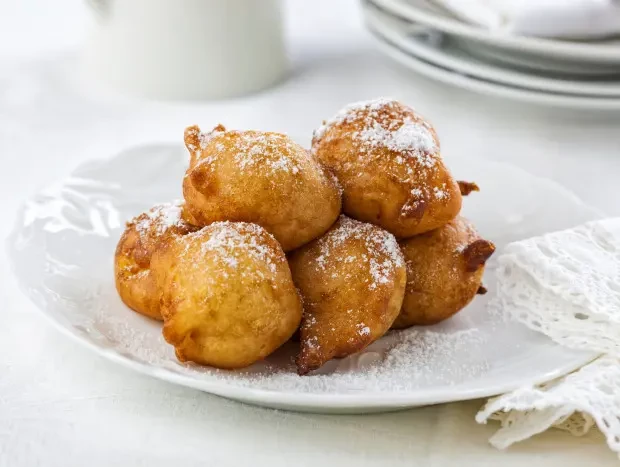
x,y
187,49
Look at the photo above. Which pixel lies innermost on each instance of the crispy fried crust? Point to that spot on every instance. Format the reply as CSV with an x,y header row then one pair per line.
x,y
142,237
352,281
228,299
444,272
387,159
467,187
259,177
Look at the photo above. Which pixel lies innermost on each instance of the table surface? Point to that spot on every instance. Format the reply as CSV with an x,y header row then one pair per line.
x,y
63,406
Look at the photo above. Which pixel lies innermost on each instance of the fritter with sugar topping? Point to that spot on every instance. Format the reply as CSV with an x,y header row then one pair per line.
x,y
228,299
145,233
352,281
260,177
387,159
444,272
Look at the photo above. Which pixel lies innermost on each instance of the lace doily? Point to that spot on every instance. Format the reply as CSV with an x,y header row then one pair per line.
x,y
567,286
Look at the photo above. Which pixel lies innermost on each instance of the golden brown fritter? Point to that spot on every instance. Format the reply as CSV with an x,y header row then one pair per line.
x,y
352,281
387,159
444,272
142,237
260,177
228,299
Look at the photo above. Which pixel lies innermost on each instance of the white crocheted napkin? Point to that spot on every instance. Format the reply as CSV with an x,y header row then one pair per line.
x,y
567,286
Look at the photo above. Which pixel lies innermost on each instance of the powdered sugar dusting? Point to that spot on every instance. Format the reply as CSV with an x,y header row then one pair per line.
x,y
350,110
254,150
440,193
205,137
417,348
411,360
468,233
383,256
381,272
230,239
409,136
161,218
334,180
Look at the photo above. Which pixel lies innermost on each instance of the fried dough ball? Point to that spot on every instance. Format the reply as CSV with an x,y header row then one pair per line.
x,y
387,159
145,233
352,281
444,272
260,177
228,299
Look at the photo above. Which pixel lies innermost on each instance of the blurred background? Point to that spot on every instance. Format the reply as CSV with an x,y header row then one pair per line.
x,y
82,68
91,77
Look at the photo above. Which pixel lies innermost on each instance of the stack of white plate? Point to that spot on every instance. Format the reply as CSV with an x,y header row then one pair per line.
x,y
430,41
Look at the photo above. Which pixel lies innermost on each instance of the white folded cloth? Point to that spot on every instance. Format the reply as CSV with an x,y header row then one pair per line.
x,y
576,19
567,286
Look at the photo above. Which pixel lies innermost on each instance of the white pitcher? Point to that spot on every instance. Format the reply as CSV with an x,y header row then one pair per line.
x,y
186,49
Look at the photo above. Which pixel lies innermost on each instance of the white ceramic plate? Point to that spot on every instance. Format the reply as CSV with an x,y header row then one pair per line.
x,y
492,88
442,50
62,249
527,51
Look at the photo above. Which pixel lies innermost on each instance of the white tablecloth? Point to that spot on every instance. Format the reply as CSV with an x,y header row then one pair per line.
x,y
62,406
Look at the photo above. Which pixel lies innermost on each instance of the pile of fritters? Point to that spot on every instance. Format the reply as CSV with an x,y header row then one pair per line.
x,y
369,219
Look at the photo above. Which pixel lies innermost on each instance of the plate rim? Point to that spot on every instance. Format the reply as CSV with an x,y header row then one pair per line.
x,y
300,401
479,68
492,88
535,45
315,401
